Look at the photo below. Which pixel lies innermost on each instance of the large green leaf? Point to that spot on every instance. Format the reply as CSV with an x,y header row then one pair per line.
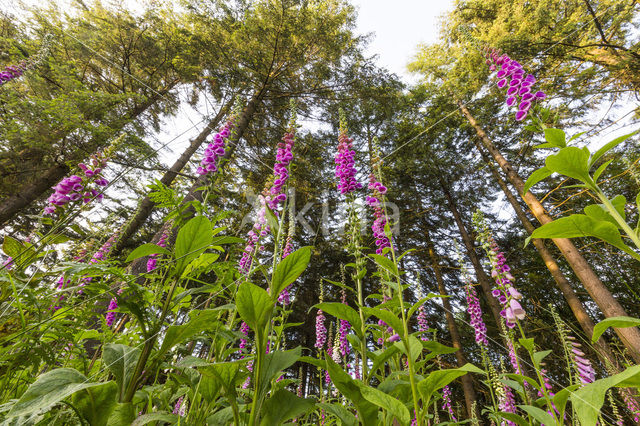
x,y
537,176
420,302
367,412
440,378
555,137
226,373
380,359
158,416
340,412
579,225
193,239
387,316
121,361
540,415
615,322
609,146
96,403
415,347
275,362
12,247
123,414
146,250
200,264
385,263
599,213
254,305
394,407
571,161
200,321
283,406
342,311
289,269
48,390
588,400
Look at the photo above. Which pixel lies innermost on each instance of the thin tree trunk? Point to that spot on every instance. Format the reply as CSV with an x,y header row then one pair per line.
x,y
578,309
482,277
600,294
467,383
146,205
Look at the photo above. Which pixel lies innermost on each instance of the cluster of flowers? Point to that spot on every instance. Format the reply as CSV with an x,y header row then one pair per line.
x,y
12,72
378,190
583,366
260,229
321,329
284,296
8,263
422,323
74,187
99,256
512,74
152,263
215,150
181,407
244,329
345,163
506,403
475,313
345,326
446,402
284,155
111,315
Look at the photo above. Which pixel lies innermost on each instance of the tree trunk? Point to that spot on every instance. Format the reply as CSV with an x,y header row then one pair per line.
x,y
28,194
482,277
467,383
146,205
578,309
597,290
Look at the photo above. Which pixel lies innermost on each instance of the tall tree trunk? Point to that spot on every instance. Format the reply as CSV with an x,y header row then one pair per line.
x,y
467,383
146,205
34,190
481,276
31,192
600,294
578,309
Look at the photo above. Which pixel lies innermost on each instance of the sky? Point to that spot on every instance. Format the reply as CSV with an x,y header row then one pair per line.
x,y
398,27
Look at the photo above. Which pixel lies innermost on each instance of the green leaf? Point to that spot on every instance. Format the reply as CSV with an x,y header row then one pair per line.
x,y
387,402
367,412
601,170
340,412
561,398
272,221
537,176
387,316
12,247
609,146
123,414
48,390
96,403
538,414
226,373
440,378
588,400
284,406
200,320
121,361
158,416
514,418
342,311
254,305
572,162
620,202
438,348
527,344
275,362
200,264
87,334
576,136
421,302
555,137
385,263
539,356
578,225
415,346
289,269
599,213
615,322
193,239
146,250
380,359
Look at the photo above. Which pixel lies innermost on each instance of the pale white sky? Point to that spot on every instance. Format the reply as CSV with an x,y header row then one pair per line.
x,y
399,27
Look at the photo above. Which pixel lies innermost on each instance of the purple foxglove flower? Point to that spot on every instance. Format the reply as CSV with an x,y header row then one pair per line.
x,y
393,338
